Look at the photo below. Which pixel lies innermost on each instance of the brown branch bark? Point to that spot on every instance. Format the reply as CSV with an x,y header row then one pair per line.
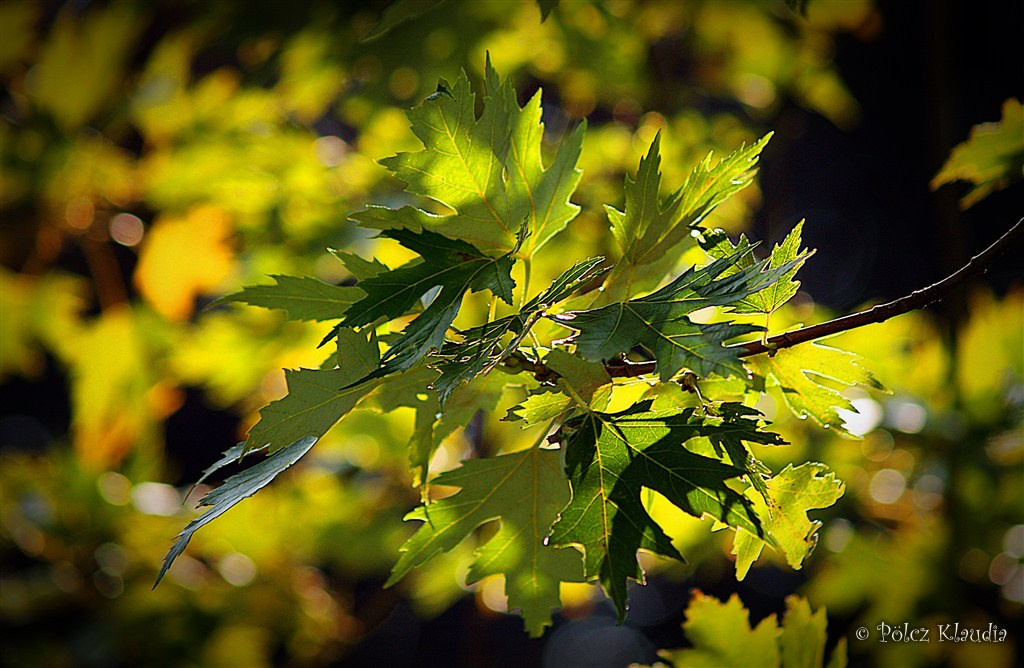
x,y
979,264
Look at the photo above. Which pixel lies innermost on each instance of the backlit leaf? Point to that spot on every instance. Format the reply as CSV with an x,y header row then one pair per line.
x,y
991,158
659,321
303,298
792,493
609,458
488,171
315,401
650,226
524,491
787,253
721,635
802,373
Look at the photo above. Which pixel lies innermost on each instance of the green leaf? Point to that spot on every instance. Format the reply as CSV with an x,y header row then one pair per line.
x,y
541,406
792,493
991,158
359,267
303,298
414,389
234,489
586,380
232,455
644,221
803,635
314,402
787,253
454,266
525,491
721,636
484,347
488,171
649,227
609,458
802,372
658,321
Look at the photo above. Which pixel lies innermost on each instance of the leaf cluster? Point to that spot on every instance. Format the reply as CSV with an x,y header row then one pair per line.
x,y
575,506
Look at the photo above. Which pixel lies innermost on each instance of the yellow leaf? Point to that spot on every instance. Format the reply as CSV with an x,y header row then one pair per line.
x,y
115,402
81,62
161,107
42,310
991,353
183,258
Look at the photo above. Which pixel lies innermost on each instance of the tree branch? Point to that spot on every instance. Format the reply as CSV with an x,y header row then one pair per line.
x,y
979,264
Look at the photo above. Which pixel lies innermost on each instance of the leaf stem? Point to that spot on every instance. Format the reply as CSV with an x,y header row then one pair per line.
x,y
527,267
575,396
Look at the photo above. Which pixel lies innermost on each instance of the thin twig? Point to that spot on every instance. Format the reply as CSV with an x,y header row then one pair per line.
x,y
915,300
979,264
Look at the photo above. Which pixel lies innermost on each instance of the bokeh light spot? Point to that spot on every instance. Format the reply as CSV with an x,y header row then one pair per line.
x,y
237,569
127,229
887,486
868,416
114,488
1013,541
906,416
330,150
155,498
403,82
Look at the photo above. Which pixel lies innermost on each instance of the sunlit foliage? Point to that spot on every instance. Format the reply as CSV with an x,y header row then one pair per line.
x,y
153,160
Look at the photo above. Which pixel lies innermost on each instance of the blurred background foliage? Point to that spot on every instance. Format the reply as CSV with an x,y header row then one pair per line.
x,y
156,156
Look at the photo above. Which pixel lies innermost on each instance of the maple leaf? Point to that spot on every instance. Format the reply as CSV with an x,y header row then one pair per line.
x,y
787,253
359,267
487,170
659,320
524,491
801,373
791,494
610,457
314,403
454,266
721,635
485,346
303,298
589,381
235,489
288,429
650,226
990,159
